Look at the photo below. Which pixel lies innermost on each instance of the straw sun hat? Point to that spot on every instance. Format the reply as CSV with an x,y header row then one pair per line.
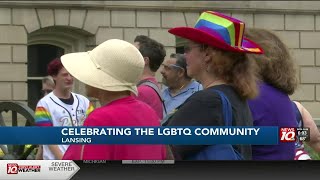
x,y
114,65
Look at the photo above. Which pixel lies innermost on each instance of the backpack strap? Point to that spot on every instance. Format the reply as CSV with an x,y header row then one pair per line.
x,y
227,115
156,89
226,108
298,114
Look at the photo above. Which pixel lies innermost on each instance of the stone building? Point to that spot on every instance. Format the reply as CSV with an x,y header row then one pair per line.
x,y
33,32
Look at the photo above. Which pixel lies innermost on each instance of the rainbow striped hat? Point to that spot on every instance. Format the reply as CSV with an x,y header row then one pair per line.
x,y
220,31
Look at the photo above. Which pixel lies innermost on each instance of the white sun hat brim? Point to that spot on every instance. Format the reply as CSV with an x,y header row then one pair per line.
x,y
81,66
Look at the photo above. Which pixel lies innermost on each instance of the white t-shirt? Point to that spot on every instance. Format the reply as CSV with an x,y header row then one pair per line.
x,y
51,111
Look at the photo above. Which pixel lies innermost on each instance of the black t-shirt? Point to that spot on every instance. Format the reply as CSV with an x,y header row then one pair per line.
x,y
68,101
204,108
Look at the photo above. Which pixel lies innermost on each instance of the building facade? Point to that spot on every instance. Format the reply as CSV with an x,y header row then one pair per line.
x,y
32,33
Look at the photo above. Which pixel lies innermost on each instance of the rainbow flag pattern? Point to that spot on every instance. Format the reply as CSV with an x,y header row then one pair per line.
x,y
225,28
42,117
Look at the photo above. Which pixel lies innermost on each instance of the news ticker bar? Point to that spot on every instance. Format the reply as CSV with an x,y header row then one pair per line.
x,y
55,169
196,135
147,161
127,161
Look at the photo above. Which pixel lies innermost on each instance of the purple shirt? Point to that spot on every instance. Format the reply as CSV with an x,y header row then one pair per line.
x,y
272,108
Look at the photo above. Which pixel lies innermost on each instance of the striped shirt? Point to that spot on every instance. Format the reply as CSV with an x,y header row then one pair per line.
x,y
51,111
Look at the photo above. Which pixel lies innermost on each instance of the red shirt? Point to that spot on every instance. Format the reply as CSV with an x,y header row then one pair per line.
x,y
149,96
122,112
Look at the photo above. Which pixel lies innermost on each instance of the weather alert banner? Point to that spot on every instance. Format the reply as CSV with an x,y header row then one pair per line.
x,y
191,135
38,169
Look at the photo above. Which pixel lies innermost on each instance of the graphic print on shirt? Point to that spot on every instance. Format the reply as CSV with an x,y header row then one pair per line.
x,y
65,121
76,119
81,116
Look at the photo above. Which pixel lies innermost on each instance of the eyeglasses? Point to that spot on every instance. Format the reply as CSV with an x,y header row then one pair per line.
x,y
170,66
188,48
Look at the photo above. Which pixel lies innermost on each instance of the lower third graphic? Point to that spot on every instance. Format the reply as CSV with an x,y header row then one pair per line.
x,y
14,168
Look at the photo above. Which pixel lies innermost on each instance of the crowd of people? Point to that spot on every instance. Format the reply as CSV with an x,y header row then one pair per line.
x,y
250,70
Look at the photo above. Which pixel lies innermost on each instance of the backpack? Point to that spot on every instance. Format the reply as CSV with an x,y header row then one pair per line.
x,y
300,152
156,89
220,151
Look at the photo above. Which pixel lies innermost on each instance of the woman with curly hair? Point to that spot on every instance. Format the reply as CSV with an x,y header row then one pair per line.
x,y
273,106
216,56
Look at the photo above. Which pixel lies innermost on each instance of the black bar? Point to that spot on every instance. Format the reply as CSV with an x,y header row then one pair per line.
x,y
200,170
